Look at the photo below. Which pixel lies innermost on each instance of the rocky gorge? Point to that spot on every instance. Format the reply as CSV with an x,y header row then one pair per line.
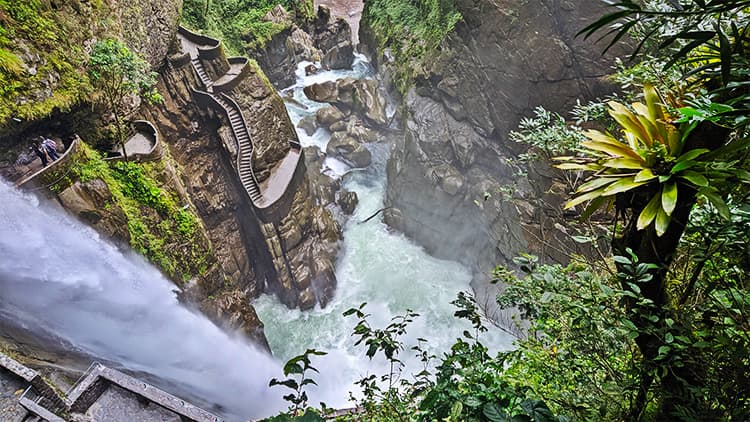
x,y
454,185
335,133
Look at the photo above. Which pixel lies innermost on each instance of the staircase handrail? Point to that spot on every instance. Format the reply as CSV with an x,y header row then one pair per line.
x,y
236,137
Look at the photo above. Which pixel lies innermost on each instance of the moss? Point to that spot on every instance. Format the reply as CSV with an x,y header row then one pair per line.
x,y
412,30
32,26
168,234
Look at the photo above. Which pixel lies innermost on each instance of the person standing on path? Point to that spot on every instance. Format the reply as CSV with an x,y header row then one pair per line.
x,y
51,147
39,153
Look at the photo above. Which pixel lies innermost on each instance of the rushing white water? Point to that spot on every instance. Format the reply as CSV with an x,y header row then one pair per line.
x,y
59,279
377,266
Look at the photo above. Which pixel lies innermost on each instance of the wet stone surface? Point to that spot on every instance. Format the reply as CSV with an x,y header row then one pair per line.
x,y
11,389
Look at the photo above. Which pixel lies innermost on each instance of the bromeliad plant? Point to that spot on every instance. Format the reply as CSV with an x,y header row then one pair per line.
x,y
650,152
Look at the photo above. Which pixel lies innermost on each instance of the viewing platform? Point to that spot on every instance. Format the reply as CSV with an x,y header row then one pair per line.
x,y
143,144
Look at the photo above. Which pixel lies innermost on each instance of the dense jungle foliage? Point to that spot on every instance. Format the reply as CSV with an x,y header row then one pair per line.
x,y
239,23
658,328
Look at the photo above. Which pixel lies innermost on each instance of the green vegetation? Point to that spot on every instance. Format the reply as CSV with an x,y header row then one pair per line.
x,y
119,74
239,23
59,43
161,229
412,30
657,329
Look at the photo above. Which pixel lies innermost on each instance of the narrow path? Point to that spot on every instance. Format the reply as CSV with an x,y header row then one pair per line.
x,y
277,184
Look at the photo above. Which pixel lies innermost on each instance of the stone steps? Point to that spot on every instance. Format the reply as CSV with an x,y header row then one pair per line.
x,y
207,82
241,134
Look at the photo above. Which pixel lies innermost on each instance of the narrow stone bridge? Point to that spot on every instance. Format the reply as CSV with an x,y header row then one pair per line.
x,y
273,197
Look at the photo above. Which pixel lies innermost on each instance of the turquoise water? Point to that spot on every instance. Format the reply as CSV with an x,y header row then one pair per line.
x,y
376,265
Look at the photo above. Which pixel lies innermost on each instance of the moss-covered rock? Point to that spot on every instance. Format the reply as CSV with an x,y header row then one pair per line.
x,y
44,45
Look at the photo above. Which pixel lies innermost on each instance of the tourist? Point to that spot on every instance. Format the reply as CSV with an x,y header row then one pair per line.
x,y
39,153
51,147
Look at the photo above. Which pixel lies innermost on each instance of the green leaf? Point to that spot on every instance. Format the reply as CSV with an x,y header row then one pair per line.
x,y
695,178
662,222
669,197
682,166
595,184
692,154
310,416
623,163
668,337
717,202
649,212
494,412
644,175
622,185
583,198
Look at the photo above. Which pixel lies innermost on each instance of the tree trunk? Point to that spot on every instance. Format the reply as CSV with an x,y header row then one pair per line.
x,y
660,250
120,137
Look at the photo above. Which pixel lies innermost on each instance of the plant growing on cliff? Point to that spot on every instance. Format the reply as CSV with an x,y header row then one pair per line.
x,y
118,74
296,369
655,175
650,154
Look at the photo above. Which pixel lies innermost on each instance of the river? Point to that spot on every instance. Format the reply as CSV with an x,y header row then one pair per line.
x,y
71,290
376,265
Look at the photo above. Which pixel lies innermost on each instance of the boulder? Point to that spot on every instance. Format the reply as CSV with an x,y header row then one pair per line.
x,y
324,92
361,96
309,124
347,149
338,126
340,56
301,46
327,116
311,69
357,130
347,201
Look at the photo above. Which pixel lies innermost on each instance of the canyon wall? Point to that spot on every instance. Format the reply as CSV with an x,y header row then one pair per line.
x,y
453,186
232,254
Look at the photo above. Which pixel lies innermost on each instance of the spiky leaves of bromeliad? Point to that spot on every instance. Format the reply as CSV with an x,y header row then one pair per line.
x,y
649,152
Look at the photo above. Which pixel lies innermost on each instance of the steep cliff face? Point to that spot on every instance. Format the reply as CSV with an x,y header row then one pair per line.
x,y
324,38
187,210
43,48
502,60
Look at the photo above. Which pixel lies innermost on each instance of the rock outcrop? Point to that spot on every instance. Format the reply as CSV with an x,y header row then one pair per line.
x,y
291,257
451,186
324,39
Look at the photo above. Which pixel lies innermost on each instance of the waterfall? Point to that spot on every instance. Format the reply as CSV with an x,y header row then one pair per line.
x,y
59,280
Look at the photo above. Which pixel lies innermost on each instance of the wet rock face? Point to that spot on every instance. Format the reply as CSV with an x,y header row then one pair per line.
x,y
360,96
504,59
325,39
92,202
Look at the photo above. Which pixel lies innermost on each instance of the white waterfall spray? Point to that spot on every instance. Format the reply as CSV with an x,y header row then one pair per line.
x,y
58,278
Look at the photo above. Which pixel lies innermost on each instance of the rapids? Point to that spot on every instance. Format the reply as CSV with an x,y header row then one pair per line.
x,y
70,289
377,266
